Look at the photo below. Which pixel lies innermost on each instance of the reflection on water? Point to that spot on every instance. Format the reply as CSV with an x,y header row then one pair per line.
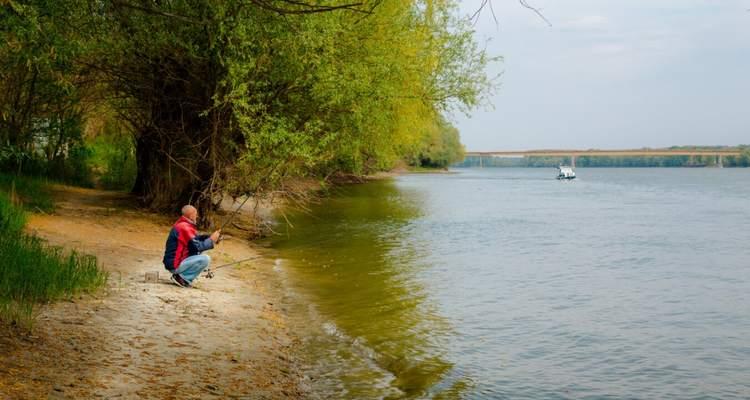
x,y
504,283
349,255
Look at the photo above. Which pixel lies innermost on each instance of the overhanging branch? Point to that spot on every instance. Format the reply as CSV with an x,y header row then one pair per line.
x,y
535,10
154,11
488,3
304,7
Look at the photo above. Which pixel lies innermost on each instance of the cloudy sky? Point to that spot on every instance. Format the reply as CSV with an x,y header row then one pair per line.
x,y
614,74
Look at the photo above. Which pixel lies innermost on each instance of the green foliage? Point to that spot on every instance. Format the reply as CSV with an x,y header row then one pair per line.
x,y
75,169
33,273
743,160
616,161
31,192
438,147
235,96
403,64
12,218
42,88
112,160
231,96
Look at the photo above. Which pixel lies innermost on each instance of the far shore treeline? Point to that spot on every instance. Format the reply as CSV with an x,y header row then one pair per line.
x,y
743,160
193,100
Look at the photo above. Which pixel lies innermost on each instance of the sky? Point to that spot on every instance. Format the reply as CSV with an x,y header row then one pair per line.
x,y
613,74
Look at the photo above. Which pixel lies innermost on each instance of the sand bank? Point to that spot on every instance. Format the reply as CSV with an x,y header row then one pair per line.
x,y
226,338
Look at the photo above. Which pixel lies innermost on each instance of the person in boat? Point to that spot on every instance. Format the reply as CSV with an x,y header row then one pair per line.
x,y
182,253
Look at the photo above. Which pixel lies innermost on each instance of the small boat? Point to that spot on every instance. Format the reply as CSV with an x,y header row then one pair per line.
x,y
565,172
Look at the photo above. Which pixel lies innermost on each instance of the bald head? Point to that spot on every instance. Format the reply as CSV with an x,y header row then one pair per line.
x,y
189,212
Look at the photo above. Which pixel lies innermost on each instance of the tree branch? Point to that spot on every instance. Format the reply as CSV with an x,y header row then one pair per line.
x,y
535,10
488,3
305,8
149,10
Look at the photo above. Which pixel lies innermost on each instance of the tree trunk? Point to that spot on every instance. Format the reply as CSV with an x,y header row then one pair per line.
x,y
171,177
178,144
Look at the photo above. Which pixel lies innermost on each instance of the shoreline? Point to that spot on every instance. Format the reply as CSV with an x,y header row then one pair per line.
x,y
227,338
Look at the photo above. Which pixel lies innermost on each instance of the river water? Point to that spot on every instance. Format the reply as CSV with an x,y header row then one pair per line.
x,y
507,284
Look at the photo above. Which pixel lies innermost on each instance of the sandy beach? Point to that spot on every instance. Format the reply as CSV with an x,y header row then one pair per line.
x,y
225,338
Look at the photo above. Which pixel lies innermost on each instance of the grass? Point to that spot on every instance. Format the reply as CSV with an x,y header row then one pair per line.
x,y
12,218
31,191
31,271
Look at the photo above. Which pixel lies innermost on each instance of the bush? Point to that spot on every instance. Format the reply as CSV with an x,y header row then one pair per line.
x,y
113,160
76,170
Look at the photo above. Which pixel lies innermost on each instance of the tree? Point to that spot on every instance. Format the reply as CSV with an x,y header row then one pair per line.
x,y
235,97
43,91
438,147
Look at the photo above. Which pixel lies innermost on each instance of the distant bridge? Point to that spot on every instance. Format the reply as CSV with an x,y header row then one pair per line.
x,y
719,154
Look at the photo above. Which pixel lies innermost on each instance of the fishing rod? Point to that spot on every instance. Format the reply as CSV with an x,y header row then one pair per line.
x,y
232,215
210,271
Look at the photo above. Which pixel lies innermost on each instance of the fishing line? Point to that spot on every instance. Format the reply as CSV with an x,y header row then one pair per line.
x,y
210,271
231,216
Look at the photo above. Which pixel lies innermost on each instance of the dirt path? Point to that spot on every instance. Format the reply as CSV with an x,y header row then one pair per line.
x,y
223,339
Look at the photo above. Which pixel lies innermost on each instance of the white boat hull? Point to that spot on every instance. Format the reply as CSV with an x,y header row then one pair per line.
x,y
565,173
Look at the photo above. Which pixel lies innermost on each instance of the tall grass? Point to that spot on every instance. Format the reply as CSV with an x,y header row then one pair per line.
x,y
31,191
33,272
12,218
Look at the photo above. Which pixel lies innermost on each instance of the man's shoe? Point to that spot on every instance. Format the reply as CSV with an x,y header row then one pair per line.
x,y
179,281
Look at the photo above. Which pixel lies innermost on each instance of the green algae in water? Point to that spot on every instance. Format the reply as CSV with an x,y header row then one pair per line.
x,y
347,254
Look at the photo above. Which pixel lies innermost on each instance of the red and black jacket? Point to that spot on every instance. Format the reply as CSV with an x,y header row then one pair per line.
x,y
183,242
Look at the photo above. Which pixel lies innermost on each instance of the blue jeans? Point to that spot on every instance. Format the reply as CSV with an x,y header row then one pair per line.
x,y
192,266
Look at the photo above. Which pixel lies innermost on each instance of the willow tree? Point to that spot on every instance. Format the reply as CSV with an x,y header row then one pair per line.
x,y
236,96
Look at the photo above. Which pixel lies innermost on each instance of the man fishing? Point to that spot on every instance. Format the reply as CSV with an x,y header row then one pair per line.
x,y
182,253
